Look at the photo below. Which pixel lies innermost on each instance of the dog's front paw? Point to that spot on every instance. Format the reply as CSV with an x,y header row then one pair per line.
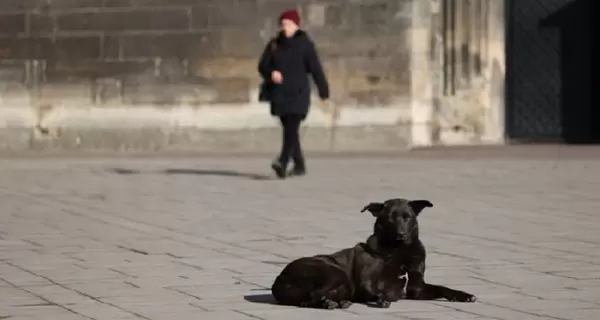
x,y
463,297
383,304
345,304
329,304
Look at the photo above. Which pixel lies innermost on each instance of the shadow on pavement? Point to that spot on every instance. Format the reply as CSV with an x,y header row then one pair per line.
x,y
199,172
123,171
261,298
223,173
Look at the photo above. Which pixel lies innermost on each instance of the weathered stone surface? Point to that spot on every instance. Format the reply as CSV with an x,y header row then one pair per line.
x,y
182,46
201,15
95,68
108,91
12,23
334,15
70,4
145,89
147,19
156,3
374,14
42,23
462,71
210,39
68,92
361,44
231,90
373,97
226,67
80,47
168,53
314,139
13,71
237,42
224,13
167,94
14,93
376,81
15,139
383,138
20,4
269,12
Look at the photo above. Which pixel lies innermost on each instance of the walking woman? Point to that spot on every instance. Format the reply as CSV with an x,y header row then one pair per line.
x,y
284,66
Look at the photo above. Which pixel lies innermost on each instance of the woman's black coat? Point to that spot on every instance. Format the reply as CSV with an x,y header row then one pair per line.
x,y
295,58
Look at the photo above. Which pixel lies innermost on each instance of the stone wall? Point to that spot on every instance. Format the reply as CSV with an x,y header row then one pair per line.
x,y
468,71
181,74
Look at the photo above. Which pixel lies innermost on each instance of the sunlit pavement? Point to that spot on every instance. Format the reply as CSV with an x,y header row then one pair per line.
x,y
203,238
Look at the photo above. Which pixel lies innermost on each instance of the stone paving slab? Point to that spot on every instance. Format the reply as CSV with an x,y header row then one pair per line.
x,y
121,238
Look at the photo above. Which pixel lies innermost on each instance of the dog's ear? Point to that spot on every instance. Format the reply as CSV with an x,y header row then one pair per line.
x,y
419,205
374,208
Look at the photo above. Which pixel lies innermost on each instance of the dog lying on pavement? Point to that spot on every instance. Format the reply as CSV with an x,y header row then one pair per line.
x,y
370,272
403,214
321,282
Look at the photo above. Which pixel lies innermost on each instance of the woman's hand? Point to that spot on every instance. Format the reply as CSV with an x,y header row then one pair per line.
x,y
276,77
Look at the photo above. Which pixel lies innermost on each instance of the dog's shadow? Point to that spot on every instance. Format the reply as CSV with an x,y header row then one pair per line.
x,y
261,298
269,299
198,172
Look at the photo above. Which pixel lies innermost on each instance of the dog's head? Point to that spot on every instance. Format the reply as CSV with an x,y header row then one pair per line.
x,y
397,219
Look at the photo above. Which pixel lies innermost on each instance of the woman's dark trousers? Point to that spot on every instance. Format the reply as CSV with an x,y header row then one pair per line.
x,y
291,142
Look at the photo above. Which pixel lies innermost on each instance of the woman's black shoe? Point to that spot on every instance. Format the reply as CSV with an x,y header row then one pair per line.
x,y
297,172
279,169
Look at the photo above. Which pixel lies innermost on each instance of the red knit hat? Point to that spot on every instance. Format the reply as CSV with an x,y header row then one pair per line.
x,y
292,15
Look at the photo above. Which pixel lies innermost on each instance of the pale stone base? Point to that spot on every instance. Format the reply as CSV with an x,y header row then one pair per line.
x,y
259,140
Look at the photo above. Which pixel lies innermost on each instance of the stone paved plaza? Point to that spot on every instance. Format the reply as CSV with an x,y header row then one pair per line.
x,y
182,238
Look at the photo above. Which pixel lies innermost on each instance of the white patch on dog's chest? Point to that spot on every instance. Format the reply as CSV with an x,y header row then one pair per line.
x,y
405,278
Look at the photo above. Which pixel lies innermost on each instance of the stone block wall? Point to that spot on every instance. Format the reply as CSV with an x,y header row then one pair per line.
x,y
181,74
470,72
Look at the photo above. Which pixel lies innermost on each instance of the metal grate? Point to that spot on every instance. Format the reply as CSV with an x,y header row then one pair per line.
x,y
533,63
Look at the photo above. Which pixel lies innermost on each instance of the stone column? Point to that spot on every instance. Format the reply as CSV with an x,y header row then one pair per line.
x,y
422,72
495,72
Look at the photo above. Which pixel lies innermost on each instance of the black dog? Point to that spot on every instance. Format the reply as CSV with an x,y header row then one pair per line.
x,y
323,282
403,214
370,272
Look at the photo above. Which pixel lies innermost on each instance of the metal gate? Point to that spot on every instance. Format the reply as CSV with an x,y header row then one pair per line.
x,y
533,71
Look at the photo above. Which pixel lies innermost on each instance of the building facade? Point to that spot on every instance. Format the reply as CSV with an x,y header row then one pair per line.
x,y
181,74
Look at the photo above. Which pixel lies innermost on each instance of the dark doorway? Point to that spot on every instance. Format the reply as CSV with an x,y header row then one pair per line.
x,y
549,72
533,78
573,21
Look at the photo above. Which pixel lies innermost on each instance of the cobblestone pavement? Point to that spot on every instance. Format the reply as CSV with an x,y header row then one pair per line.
x,y
184,238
